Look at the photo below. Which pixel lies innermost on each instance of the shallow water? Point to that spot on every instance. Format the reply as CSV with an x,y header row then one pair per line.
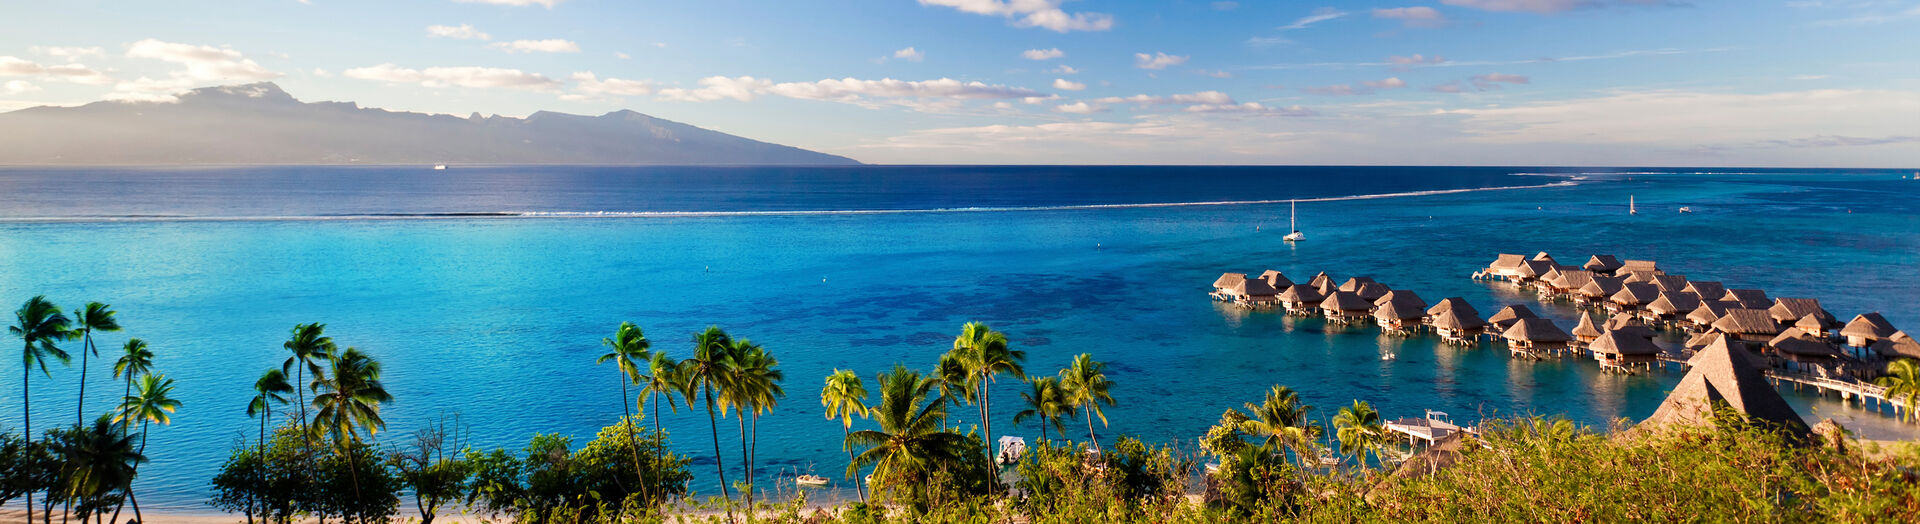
x,y
500,319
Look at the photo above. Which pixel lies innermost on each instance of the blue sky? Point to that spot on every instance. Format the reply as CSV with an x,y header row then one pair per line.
x,y
1551,82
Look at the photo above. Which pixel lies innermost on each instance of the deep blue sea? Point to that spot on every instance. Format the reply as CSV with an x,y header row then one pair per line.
x,y
486,290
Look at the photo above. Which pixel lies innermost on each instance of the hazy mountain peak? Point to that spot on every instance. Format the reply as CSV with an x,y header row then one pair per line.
x,y
263,124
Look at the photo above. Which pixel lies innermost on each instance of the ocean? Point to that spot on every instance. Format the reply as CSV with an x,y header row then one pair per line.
x,y
485,291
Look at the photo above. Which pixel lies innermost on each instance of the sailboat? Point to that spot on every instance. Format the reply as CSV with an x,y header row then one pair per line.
x,y
1630,209
1294,224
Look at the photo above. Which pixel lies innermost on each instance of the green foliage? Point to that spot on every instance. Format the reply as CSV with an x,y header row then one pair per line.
x,y
555,484
280,485
353,482
1225,439
1132,481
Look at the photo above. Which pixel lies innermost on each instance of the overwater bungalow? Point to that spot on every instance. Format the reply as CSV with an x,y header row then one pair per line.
x,y
1672,306
1670,283
1452,303
1602,264
1401,314
1597,290
1751,325
1506,266
1817,326
1371,291
1585,332
1701,340
1507,316
1790,310
1544,257
1702,318
1565,283
1275,279
1459,324
1535,335
1254,292
1721,376
1899,345
1637,276
1622,350
1638,265
1228,281
1405,296
1632,297
1345,307
1749,298
1800,348
1300,300
1706,289
1321,279
1532,270
1326,287
1867,328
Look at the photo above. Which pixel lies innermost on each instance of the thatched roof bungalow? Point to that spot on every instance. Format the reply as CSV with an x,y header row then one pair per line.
x,y
1899,345
1585,332
1702,339
1228,281
1637,276
1458,324
1400,314
1405,296
1670,283
1507,316
1534,269
1816,326
1638,265
1320,279
1615,348
1569,281
1799,346
1749,298
1632,297
1867,328
1533,334
1254,291
1790,310
1707,289
1372,291
1275,279
1507,265
1598,289
1300,299
1752,325
1672,305
1602,264
1452,303
1723,376
1708,312
1345,307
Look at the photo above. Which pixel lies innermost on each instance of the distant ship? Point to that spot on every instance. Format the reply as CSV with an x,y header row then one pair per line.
x,y
1293,224
439,167
1631,210
1685,209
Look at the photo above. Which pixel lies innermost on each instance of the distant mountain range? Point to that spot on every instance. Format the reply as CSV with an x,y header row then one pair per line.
x,y
261,124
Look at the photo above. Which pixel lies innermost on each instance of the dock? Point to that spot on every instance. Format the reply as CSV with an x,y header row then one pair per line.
x,y
1436,426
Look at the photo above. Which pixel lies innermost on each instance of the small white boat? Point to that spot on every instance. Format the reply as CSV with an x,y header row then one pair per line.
x,y
1684,209
1631,210
439,167
810,480
1294,224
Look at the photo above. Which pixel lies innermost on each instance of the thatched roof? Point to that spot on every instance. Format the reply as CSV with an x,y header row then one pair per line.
x,y
1255,288
1572,279
1507,261
1275,279
1897,346
1739,321
1793,309
1812,323
1326,287
1586,329
1639,265
1320,279
1399,310
1670,283
1458,319
1353,284
1722,375
1229,280
1707,289
1536,330
1622,343
1749,298
1710,310
1674,303
1798,343
1301,293
1452,303
1635,294
1703,339
1372,291
1406,298
1637,276
1535,268
1602,286
1345,301
1602,263
1543,256
1507,315
1870,326
1621,322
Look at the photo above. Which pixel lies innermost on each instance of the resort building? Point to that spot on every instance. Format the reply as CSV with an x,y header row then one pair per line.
x,y
1345,307
1401,314
1459,324
1506,266
1899,345
1585,332
1320,280
1632,297
1672,306
1300,300
1751,325
1701,340
1631,266
1749,298
1670,283
1507,316
1866,329
1602,264
1706,289
1800,348
1817,326
1223,286
1723,376
1621,350
1702,318
1597,290
1275,279
1791,310
1535,335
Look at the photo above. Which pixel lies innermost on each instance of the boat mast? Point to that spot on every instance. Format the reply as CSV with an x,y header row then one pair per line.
x,y
1291,223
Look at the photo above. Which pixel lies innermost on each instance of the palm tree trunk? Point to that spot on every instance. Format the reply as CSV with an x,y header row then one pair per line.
x,y
136,473
1090,437
1043,427
714,422
263,459
753,454
746,467
80,406
627,409
858,485
26,415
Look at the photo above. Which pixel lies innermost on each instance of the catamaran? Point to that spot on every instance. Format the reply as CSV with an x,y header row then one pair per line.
x,y
1630,209
1294,224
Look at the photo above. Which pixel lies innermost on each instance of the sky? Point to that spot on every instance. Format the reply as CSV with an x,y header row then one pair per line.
x,y
1391,82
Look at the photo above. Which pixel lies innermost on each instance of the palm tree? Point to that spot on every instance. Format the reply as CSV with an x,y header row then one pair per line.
x,y
1047,400
909,442
954,382
705,371
135,359
986,354
1281,421
755,387
272,388
309,346
350,402
40,325
1086,385
1359,431
100,461
845,397
660,382
1903,383
94,317
626,349
150,402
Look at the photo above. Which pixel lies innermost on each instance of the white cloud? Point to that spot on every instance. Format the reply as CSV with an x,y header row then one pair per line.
x,y
622,56
204,63
1216,74
322,73
1389,83
1556,6
1202,97
1066,85
459,32
1157,60
925,94
1065,70
14,87
1319,15
1492,80
1250,107
69,53
516,3
1415,60
1419,16
1043,54
1663,120
464,76
713,88
910,54
1044,14
75,73
1265,41
589,86
1365,88
552,45
1079,108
